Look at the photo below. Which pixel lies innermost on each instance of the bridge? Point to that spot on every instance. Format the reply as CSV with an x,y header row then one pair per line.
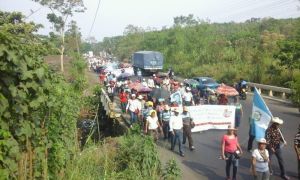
x,y
204,162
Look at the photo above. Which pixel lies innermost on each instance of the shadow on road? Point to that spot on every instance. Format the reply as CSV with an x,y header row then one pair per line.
x,y
202,169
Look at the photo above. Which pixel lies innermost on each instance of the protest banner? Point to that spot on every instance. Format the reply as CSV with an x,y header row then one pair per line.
x,y
212,117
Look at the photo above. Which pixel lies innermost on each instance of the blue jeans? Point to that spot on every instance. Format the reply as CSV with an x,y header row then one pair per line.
x,y
177,135
231,160
166,129
133,117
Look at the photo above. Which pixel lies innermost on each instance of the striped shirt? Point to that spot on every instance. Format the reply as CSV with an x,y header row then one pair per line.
x,y
165,115
297,140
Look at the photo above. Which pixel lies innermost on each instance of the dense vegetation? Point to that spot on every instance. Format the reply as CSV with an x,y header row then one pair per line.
x,y
128,157
38,107
258,50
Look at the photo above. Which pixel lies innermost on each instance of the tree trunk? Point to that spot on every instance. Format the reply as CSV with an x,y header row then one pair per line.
x,y
62,49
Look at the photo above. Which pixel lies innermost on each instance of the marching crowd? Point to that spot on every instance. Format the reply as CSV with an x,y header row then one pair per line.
x,y
162,116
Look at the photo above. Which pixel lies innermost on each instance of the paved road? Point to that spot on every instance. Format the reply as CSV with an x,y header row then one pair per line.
x,y
204,160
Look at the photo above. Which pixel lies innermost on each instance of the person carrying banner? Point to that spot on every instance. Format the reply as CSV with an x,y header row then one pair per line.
x,y
275,142
260,161
297,149
176,125
238,112
231,151
187,127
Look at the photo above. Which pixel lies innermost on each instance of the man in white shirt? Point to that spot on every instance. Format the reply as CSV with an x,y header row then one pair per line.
x,y
188,97
144,83
134,107
166,83
176,125
151,83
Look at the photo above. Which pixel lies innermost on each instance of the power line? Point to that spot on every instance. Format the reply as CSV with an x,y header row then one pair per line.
x,y
33,12
94,18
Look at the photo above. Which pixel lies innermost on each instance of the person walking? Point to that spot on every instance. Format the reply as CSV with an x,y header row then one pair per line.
x,y
160,107
165,116
222,100
238,112
123,100
275,140
231,151
260,161
187,129
111,91
297,149
188,97
152,125
166,83
251,134
176,125
151,83
134,108
139,74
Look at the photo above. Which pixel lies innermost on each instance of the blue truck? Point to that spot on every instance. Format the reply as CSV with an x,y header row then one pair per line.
x,y
148,62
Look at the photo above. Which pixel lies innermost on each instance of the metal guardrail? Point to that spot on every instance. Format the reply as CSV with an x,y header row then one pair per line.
x,y
271,89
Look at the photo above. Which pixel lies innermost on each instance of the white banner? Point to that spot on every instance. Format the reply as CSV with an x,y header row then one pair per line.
x,y
212,117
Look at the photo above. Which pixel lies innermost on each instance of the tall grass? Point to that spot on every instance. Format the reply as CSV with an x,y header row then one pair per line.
x,y
131,156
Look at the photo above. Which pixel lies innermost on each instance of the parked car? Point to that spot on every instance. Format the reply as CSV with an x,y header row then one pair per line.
x,y
191,83
206,82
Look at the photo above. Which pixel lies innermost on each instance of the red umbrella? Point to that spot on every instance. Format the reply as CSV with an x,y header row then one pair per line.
x,y
135,85
227,90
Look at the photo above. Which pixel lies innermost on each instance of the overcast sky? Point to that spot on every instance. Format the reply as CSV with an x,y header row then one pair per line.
x,y
114,15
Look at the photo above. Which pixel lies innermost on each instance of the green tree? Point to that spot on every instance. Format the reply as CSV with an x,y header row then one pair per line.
x,y
61,11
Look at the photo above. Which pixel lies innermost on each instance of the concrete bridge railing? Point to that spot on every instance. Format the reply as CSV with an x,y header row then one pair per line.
x,y
108,105
271,89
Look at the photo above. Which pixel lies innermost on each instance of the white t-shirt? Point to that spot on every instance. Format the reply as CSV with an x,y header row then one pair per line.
x,y
188,96
144,83
151,83
152,122
133,105
260,166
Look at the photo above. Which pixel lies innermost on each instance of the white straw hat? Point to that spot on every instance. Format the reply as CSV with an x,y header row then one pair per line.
x,y
277,120
140,97
262,141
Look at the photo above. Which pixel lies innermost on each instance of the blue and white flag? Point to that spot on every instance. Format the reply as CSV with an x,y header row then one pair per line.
x,y
261,115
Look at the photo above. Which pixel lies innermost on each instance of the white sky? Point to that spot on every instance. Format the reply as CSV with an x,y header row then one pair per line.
x,y
115,15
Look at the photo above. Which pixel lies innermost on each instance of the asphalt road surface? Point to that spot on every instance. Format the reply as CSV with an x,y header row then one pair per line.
x,y
205,159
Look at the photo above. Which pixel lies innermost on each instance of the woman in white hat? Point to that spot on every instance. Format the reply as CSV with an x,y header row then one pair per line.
x,y
260,161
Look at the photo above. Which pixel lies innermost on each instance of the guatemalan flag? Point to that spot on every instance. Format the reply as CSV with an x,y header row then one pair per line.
x,y
260,114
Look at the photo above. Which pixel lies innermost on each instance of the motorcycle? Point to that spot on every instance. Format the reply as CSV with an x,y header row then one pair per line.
x,y
243,94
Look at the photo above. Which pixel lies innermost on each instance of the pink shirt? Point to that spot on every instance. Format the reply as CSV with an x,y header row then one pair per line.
x,y
230,144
